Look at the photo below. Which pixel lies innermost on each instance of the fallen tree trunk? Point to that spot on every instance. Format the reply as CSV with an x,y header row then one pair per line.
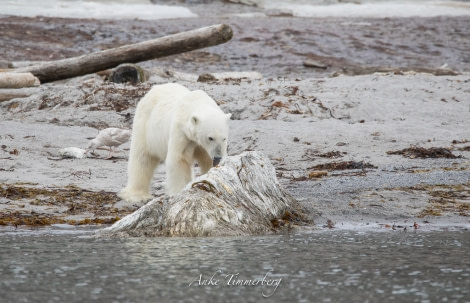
x,y
132,53
241,196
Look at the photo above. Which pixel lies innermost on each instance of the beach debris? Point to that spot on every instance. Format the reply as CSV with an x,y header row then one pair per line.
x,y
279,104
463,141
246,2
7,94
206,78
72,152
18,80
445,199
80,206
81,174
330,224
317,174
241,196
355,70
424,153
314,64
311,154
343,165
287,219
178,75
119,98
460,141
14,151
229,76
128,73
131,53
111,137
311,175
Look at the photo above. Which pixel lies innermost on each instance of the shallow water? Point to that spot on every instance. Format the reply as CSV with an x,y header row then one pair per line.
x,y
167,9
319,266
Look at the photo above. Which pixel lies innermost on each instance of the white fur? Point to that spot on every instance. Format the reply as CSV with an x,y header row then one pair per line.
x,y
174,125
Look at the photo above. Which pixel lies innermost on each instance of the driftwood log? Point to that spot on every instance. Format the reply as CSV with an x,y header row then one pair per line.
x,y
132,53
241,196
17,80
7,94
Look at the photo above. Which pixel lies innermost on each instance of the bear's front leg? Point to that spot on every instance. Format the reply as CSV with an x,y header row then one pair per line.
x,y
178,174
203,159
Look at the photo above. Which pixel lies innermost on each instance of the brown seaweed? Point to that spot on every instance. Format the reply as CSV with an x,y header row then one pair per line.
x,y
424,153
90,207
344,165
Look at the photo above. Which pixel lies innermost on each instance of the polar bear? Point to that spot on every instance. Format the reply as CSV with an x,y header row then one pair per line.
x,y
179,127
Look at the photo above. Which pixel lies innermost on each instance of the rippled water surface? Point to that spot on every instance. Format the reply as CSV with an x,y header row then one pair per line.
x,y
321,266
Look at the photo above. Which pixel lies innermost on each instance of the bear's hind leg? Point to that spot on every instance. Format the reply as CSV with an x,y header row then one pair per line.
x,y
140,176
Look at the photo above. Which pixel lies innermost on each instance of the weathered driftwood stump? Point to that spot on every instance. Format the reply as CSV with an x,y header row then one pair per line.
x,y
241,196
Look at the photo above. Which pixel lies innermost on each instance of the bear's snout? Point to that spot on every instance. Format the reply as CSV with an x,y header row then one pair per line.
x,y
216,161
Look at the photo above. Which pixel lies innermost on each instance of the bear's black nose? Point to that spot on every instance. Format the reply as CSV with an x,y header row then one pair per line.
x,y
216,161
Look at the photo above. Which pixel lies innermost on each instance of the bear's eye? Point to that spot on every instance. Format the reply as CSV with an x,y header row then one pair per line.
x,y
225,139
211,139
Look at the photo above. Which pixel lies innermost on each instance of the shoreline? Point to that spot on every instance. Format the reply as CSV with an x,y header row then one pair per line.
x,y
305,119
328,128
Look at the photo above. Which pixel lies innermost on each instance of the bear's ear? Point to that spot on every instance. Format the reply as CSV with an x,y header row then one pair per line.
x,y
195,120
227,116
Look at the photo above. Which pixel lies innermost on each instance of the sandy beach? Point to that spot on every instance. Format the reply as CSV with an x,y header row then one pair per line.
x,y
377,138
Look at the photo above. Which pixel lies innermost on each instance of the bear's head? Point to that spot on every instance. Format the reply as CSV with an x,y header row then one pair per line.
x,y
210,131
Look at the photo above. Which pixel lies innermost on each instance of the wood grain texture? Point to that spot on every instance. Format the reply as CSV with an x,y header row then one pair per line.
x,y
241,196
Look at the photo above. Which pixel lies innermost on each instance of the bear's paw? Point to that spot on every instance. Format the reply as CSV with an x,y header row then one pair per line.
x,y
135,197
